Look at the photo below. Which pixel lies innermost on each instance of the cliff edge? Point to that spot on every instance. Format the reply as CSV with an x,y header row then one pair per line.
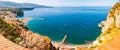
x,y
109,38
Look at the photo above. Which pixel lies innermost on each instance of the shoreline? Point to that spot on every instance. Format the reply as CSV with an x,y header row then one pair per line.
x,y
68,45
57,43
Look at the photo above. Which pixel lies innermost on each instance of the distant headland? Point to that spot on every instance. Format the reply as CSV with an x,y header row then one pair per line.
x,y
23,6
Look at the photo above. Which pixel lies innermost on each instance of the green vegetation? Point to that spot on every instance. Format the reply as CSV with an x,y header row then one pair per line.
x,y
9,31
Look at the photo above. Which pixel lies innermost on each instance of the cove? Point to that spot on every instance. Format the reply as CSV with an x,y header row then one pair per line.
x,y
79,23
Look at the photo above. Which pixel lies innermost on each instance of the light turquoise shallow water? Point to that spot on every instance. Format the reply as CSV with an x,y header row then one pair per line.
x,y
79,23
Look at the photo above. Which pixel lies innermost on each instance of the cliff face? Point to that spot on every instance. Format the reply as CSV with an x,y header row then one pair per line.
x,y
17,11
17,32
110,29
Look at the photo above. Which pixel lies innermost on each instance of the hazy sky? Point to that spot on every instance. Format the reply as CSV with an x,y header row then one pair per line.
x,y
69,2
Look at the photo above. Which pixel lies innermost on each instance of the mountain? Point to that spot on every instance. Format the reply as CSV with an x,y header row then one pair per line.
x,y
21,5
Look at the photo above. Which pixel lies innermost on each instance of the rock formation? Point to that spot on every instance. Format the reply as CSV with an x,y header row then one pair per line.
x,y
110,31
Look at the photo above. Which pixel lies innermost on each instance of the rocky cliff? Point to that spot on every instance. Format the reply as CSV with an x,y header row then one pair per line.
x,y
16,31
109,38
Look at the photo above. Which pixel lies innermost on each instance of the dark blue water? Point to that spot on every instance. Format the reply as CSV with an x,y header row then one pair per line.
x,y
79,23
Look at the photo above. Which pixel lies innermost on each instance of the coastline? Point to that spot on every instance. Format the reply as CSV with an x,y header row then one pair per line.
x,y
68,45
56,44
33,39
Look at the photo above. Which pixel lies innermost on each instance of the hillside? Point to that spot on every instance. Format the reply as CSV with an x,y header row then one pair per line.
x,y
21,5
17,11
15,30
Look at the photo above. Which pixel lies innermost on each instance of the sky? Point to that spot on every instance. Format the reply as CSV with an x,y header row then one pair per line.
x,y
69,2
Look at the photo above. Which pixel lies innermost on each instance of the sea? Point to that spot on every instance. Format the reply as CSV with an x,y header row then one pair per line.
x,y
80,24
